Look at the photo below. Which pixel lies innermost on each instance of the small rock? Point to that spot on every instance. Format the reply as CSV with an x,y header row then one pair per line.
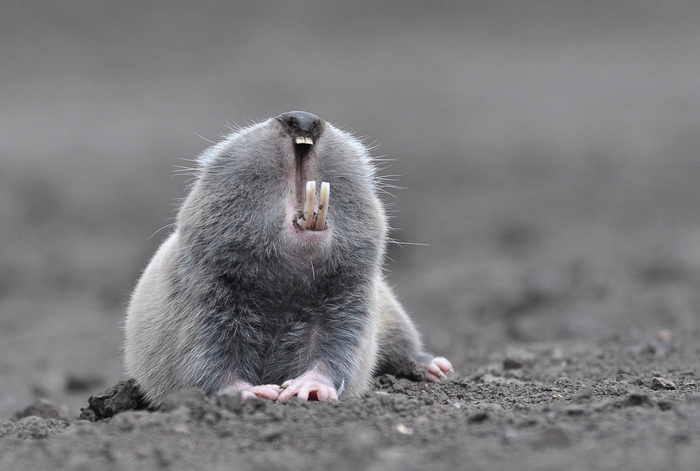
x,y
44,409
629,379
443,398
478,417
88,414
511,364
80,384
401,428
637,399
386,380
574,410
563,382
661,383
664,404
648,349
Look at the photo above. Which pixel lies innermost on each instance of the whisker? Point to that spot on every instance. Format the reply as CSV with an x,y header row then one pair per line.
x,y
204,138
164,227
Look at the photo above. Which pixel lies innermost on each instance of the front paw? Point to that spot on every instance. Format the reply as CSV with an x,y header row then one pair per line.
x,y
305,389
438,368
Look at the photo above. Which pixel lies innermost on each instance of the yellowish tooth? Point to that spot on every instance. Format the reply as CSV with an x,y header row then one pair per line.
x,y
323,206
309,203
304,140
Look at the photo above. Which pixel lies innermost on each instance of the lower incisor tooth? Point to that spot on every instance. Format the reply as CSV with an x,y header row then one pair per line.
x,y
323,206
309,203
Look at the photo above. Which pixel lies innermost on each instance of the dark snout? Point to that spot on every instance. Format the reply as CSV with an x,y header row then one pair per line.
x,y
300,124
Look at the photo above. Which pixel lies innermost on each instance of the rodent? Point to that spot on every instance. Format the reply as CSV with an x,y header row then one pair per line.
x,y
250,293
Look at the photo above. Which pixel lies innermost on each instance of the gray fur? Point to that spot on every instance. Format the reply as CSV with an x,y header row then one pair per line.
x,y
233,294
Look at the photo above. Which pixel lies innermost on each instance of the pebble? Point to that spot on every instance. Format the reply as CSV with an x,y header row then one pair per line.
x,y
661,383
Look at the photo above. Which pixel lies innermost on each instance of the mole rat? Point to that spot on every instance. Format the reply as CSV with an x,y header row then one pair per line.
x,y
271,284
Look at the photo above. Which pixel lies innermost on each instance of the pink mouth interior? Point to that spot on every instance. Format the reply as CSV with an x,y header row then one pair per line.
x,y
302,157
309,211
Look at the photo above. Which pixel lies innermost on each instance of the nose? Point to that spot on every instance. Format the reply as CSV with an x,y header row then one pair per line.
x,y
301,124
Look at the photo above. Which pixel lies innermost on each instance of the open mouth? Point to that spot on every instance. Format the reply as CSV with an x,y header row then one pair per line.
x,y
314,217
311,216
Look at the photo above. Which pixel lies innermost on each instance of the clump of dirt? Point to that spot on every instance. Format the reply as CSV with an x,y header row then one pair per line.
x,y
125,395
613,405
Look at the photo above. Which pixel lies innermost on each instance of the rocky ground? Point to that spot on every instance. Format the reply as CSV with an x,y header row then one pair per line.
x,y
551,151
613,404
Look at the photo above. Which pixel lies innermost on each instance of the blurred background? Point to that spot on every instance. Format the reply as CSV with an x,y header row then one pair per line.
x,y
549,150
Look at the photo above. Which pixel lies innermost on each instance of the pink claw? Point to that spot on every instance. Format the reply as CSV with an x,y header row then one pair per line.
x,y
310,385
437,369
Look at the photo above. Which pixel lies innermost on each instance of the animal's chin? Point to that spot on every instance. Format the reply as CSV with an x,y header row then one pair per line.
x,y
303,249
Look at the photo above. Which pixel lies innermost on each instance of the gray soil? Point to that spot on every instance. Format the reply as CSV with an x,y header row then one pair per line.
x,y
613,404
552,155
